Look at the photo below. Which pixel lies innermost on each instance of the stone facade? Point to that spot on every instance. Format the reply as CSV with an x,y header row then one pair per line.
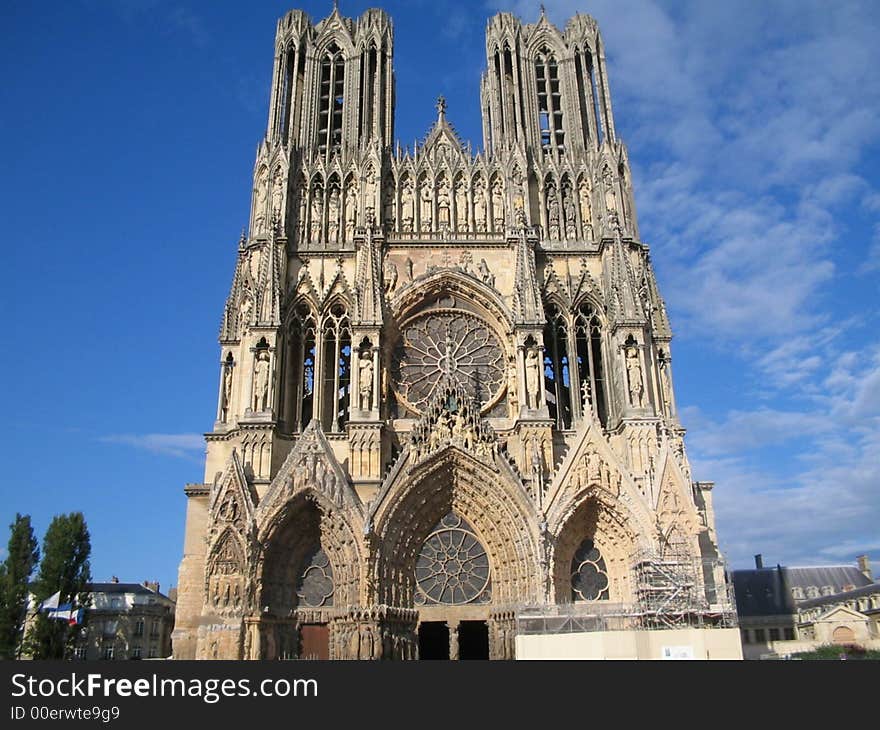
x,y
445,386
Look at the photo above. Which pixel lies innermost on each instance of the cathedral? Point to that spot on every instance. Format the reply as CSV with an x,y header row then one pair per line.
x,y
445,395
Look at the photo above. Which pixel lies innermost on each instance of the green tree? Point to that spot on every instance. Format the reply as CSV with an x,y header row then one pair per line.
x,y
65,568
22,556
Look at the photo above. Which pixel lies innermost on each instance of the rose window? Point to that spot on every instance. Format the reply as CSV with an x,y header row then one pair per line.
x,y
589,577
315,585
447,344
453,567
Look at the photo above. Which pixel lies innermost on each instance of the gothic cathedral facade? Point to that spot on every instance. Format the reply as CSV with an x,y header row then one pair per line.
x,y
445,389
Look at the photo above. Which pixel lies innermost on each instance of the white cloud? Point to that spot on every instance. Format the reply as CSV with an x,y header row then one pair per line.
x,y
185,445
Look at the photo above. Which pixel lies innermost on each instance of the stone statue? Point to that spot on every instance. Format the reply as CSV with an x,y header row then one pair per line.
x,y
586,210
227,390
586,397
350,213
512,389
370,188
426,212
409,268
261,381
317,212
610,195
569,213
497,206
485,275
552,214
365,380
461,206
278,196
443,205
333,216
407,206
388,204
262,196
389,276
634,375
533,377
479,207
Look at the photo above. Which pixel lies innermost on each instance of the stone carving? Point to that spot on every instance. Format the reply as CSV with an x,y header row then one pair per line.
x,y
333,215
586,210
634,375
533,377
512,389
497,205
479,206
317,212
461,206
389,276
350,212
278,196
388,204
426,210
486,276
370,190
569,212
406,205
443,205
226,405
262,196
261,381
552,214
365,380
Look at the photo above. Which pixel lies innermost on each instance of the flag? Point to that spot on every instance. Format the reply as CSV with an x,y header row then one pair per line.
x,y
51,602
66,612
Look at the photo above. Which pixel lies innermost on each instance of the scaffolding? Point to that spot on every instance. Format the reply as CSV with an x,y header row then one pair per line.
x,y
672,590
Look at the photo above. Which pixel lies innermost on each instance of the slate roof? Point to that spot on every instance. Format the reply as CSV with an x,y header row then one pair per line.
x,y
117,588
836,576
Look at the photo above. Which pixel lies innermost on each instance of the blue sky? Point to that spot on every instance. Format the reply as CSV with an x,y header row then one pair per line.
x,y
128,134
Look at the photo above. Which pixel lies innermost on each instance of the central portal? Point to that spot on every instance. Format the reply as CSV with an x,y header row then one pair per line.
x,y
461,640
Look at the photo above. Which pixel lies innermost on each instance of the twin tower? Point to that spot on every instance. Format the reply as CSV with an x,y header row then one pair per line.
x,y
445,392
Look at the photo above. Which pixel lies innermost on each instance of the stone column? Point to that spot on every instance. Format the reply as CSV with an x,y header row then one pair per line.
x,y
521,377
377,381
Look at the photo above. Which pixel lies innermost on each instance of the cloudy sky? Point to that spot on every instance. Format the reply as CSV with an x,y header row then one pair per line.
x,y
128,135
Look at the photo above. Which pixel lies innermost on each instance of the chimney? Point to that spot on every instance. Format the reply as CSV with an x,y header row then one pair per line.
x,y
865,566
759,561
151,586
114,579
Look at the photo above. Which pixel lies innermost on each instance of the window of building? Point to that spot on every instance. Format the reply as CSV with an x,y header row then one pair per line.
x,y
774,635
788,633
589,576
760,635
337,369
139,627
107,651
746,638
302,345
79,652
154,628
331,101
549,102
136,652
154,652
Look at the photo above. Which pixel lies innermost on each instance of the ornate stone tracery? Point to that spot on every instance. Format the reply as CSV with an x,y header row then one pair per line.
x,y
445,388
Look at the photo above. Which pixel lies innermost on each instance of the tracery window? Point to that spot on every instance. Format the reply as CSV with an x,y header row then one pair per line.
x,y
453,566
302,355
557,370
331,99
588,360
446,343
589,576
336,394
315,587
549,102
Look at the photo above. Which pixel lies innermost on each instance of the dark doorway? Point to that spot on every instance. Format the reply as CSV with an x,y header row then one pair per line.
x,y
473,640
433,640
315,641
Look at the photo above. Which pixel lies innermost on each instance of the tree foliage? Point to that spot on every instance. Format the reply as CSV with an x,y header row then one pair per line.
x,y
64,567
22,555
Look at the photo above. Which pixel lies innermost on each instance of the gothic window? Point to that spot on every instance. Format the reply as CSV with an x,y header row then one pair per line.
x,y
337,369
453,566
589,576
368,92
302,371
331,99
588,360
557,369
315,587
549,102
446,343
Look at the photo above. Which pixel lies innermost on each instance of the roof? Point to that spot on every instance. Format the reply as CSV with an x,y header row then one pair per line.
x,y
761,592
118,588
836,576
866,590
